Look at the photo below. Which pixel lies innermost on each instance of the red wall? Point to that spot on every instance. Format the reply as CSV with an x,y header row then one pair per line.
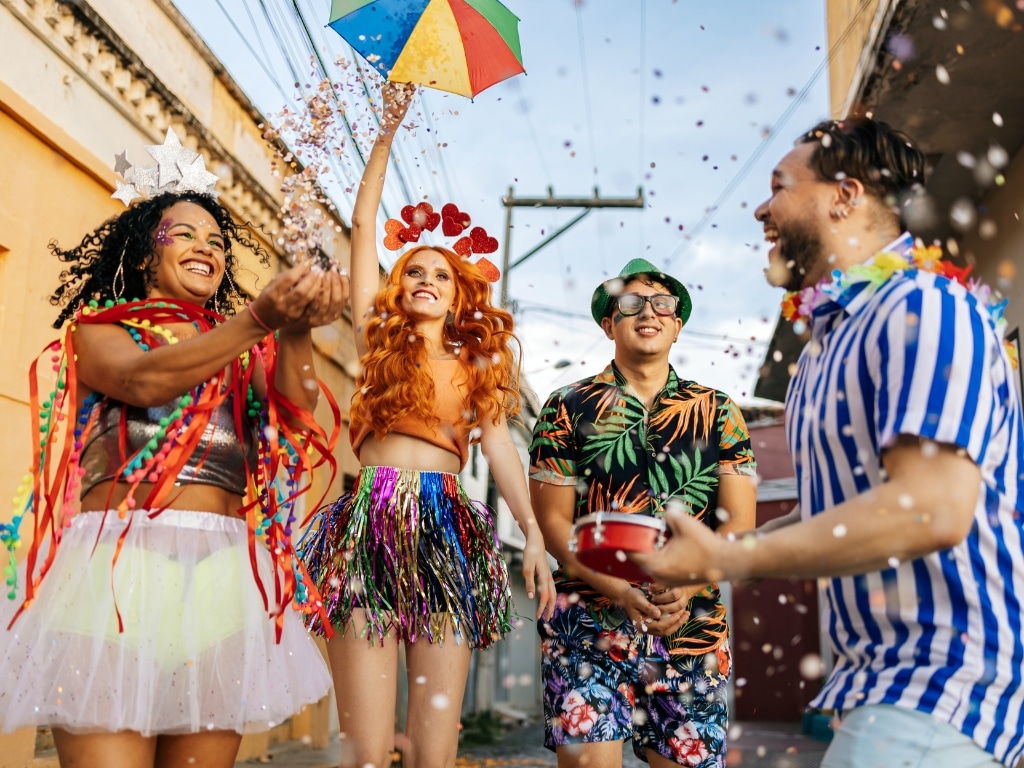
x,y
774,622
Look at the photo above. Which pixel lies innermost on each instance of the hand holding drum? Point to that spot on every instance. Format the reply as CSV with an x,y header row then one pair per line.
x,y
602,541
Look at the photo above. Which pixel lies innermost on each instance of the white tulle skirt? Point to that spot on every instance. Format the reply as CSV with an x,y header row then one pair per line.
x,y
197,651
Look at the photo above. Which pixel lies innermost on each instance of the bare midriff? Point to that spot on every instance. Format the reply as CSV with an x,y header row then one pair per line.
x,y
407,452
197,498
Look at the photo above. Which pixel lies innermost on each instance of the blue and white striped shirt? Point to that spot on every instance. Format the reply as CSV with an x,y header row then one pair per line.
x,y
919,356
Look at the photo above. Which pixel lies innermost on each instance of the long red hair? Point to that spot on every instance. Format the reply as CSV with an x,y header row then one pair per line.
x,y
395,380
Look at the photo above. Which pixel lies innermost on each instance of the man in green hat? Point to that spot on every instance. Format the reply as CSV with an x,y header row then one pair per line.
x,y
622,659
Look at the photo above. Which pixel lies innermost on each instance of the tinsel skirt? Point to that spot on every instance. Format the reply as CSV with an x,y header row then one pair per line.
x,y
197,650
415,553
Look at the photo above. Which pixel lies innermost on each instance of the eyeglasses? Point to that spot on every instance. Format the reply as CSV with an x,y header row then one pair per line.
x,y
630,304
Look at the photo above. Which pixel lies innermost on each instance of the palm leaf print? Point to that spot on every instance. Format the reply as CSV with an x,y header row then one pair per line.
x,y
686,479
690,414
731,424
611,437
623,500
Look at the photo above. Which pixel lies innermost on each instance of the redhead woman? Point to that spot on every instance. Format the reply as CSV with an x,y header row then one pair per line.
x,y
408,558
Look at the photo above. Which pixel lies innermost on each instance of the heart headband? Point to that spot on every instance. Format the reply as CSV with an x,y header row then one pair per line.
x,y
470,246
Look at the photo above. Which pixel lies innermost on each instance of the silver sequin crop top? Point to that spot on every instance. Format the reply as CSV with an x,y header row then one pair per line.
x,y
218,460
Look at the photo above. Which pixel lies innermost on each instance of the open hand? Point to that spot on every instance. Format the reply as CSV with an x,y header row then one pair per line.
x,y
537,574
326,304
397,98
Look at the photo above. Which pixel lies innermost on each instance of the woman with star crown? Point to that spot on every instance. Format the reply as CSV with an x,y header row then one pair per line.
x,y
408,559
150,624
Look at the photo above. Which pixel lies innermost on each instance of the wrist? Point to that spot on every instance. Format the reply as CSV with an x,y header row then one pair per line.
x,y
293,333
732,557
257,320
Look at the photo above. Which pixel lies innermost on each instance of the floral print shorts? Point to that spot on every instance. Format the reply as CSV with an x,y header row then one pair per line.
x,y
611,683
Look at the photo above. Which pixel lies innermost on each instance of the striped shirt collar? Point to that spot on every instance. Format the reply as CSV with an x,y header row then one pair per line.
x,y
856,296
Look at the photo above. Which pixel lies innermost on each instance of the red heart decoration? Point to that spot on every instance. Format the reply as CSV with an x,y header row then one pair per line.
x,y
425,218
453,221
391,240
408,214
463,246
410,234
481,242
490,272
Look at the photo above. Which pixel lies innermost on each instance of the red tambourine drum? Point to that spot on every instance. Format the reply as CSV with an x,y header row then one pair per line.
x,y
601,541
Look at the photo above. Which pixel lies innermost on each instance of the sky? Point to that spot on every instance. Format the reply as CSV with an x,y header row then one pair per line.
x,y
692,101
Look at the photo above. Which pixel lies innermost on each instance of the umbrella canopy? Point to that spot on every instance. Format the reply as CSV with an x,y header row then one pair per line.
x,y
459,46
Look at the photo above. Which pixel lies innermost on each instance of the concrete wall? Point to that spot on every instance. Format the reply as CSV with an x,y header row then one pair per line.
x,y
999,259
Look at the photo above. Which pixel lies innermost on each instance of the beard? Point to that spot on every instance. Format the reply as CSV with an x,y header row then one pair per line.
x,y
800,249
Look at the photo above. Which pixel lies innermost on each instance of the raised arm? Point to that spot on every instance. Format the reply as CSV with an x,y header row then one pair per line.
x,y
365,265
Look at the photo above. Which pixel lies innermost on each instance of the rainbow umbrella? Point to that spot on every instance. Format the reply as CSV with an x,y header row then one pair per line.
x,y
459,46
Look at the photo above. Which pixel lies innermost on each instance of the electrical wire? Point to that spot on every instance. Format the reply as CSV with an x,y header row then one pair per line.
x,y
641,110
586,88
245,42
775,130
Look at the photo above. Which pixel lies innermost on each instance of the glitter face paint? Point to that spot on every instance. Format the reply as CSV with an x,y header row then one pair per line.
x,y
161,237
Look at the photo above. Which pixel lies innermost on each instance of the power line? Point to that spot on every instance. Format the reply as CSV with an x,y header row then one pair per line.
x,y
248,45
759,151
586,87
641,112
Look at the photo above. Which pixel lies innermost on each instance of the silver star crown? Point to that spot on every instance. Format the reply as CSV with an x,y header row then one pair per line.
x,y
177,169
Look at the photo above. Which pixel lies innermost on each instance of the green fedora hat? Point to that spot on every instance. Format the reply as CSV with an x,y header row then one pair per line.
x,y
601,301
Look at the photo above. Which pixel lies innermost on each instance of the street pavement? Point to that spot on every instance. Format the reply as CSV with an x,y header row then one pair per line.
x,y
751,745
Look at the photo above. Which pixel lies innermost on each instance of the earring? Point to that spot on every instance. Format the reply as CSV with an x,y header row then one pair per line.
x,y
216,303
231,283
834,215
119,274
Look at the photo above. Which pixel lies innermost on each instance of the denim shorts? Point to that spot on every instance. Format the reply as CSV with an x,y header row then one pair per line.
x,y
611,683
884,736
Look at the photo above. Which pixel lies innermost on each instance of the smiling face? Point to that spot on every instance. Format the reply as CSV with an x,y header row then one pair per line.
x,y
793,218
428,285
645,336
188,255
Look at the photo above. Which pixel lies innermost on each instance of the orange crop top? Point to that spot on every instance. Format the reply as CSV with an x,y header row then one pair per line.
x,y
451,433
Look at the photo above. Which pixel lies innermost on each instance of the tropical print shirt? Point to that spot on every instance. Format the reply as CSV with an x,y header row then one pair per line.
x,y
597,435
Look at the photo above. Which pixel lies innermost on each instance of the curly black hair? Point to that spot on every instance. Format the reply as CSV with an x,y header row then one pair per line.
x,y
94,261
882,158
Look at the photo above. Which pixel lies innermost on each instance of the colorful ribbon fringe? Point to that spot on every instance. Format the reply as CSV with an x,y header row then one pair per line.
x,y
416,553
291,445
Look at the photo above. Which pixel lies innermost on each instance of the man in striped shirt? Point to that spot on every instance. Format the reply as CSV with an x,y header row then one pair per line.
x,y
904,424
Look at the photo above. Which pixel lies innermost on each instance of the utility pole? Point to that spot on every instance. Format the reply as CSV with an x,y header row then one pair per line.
x,y
588,204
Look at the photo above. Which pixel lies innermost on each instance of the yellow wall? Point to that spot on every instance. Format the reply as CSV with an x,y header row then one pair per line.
x,y
841,18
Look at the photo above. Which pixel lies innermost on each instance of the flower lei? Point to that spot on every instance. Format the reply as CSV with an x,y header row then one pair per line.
x,y
800,305
288,449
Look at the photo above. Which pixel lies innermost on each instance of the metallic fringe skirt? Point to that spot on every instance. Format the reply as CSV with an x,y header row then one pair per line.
x,y
415,553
